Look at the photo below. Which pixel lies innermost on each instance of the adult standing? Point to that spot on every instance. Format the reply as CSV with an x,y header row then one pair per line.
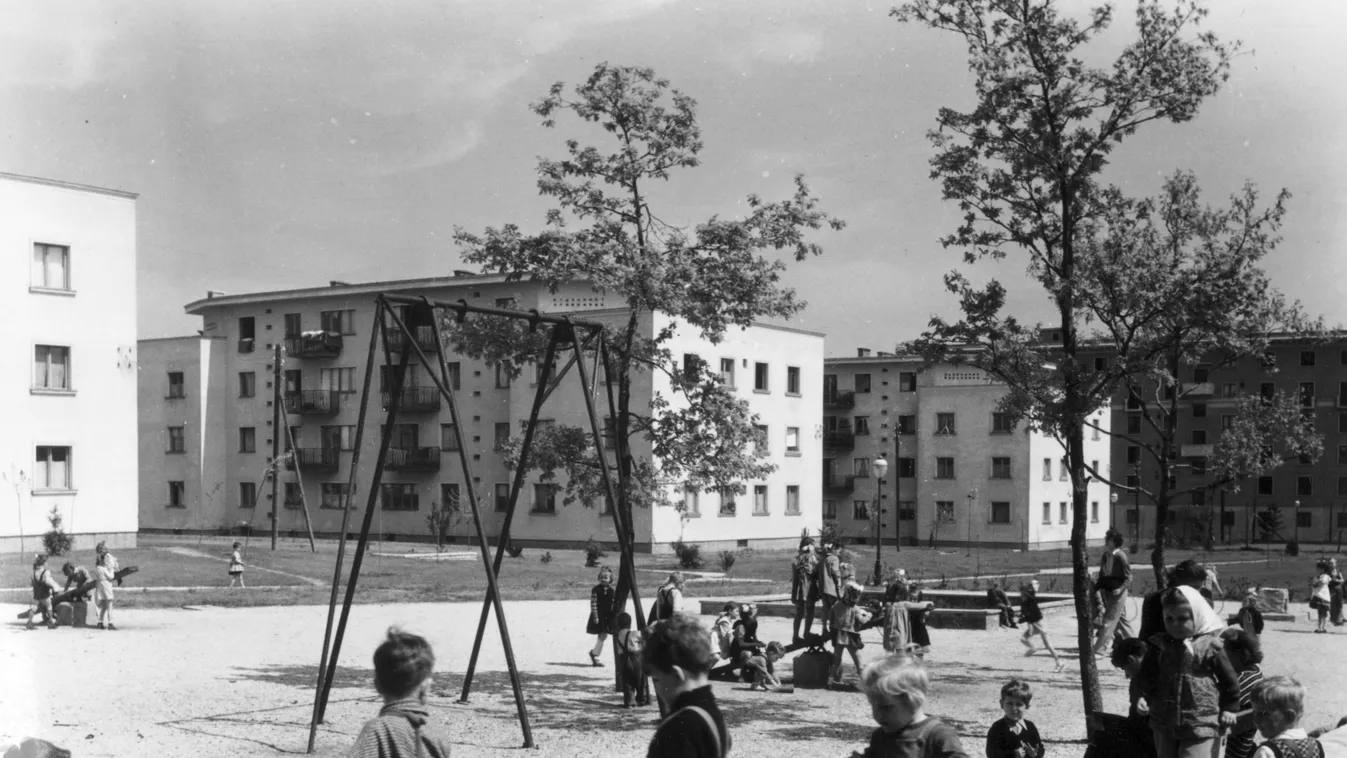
x,y
829,580
43,588
1335,586
1188,573
103,590
601,612
102,550
803,592
1115,579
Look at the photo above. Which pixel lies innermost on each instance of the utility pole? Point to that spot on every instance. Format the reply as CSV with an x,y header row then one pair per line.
x,y
276,400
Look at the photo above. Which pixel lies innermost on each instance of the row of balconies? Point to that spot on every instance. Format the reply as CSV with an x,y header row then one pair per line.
x,y
329,344
406,459
328,402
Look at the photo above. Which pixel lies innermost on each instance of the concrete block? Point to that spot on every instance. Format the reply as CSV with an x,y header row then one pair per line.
x,y
1271,599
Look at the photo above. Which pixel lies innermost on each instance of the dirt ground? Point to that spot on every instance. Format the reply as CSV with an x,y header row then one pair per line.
x,y
233,681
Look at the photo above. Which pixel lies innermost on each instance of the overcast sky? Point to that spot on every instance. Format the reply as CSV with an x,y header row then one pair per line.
x,y
283,144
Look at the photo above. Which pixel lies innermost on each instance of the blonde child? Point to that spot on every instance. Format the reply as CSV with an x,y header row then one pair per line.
x,y
1278,704
236,566
402,669
600,613
1014,736
846,621
103,577
896,688
1032,617
1320,599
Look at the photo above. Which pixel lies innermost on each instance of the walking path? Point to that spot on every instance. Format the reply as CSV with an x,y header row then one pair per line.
x,y
194,553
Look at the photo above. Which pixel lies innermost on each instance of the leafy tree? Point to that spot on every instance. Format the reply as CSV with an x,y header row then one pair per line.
x,y
606,231
1024,166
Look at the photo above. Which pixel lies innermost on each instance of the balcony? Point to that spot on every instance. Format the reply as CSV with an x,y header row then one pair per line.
x,y
314,345
313,402
1196,451
425,339
246,345
838,483
844,399
413,459
1199,389
840,438
415,400
314,459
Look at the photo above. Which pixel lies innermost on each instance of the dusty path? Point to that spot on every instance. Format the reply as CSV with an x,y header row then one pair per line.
x,y
194,553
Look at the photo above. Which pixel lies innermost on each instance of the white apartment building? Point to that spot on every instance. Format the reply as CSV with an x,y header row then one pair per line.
x,y
219,431
959,471
69,367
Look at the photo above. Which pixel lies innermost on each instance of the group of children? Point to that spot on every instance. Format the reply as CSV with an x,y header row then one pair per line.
x,y
45,588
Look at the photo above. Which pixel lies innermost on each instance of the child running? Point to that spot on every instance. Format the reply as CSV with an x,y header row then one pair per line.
x,y
896,688
402,668
1032,616
1014,736
1245,653
1278,704
236,566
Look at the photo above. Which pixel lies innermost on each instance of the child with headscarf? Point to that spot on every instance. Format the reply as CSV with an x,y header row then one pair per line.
x,y
846,622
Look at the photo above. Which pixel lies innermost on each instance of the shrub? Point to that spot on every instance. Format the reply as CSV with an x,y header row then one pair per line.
x,y
1293,548
727,559
594,552
56,541
546,557
514,550
689,554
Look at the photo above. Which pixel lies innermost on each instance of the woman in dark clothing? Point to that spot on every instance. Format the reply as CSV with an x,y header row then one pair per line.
x,y
1335,592
600,612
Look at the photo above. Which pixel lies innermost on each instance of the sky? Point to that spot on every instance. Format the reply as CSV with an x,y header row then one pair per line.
x,y
286,143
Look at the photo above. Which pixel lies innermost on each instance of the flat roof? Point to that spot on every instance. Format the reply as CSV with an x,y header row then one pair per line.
x,y
183,337
341,290
69,185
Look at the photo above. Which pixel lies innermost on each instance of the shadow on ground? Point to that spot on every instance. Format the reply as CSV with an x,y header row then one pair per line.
x,y
305,677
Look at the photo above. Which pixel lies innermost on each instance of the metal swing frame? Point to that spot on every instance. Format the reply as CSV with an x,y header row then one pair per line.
x,y
563,332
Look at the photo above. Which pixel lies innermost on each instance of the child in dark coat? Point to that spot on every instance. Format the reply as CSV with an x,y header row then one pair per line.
x,y
896,687
1014,736
630,643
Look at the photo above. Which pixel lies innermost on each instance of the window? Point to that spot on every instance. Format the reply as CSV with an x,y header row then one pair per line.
x,y
247,439
341,322
1132,515
1229,389
944,511
692,505
448,438
1101,364
1133,401
760,377
247,384
1001,423
1202,374
544,498
247,331
1047,469
292,439
1047,513
294,496
176,388
1199,497
294,325
334,495
449,497
1133,480
1227,421
1199,410
51,266
860,510
502,497
343,380
692,367
792,499
792,440
294,380
1199,436
177,439
502,437
1304,485
406,436
1094,511
177,494
907,468
399,497
1133,454
907,381
337,437
760,441
727,504
51,367
1001,468
1265,485
862,384
907,510
944,468
1063,510
1094,431
792,380
502,375
860,467
907,425
1062,469
1000,512
759,500
247,494
1199,466
944,423
1307,394
1133,423
1307,357
1342,455
862,425
609,433
52,471
1342,423
727,372
1266,390
830,510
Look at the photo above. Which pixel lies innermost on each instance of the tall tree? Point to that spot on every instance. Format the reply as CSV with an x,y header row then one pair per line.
x,y
710,276
1024,166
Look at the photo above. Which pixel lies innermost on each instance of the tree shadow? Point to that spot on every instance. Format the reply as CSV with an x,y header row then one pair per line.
x,y
305,676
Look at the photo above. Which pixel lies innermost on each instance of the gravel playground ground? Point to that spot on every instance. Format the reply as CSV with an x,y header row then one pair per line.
x,y
239,681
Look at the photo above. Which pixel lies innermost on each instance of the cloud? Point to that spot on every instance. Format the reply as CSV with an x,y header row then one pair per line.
x,y
779,47
40,48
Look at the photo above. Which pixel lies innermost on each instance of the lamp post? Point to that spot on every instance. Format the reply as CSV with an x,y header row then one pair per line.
x,y
1113,508
972,498
1295,533
1136,503
881,467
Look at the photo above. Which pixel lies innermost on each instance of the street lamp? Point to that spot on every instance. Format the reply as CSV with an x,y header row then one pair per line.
x,y
881,467
1113,508
972,498
1296,527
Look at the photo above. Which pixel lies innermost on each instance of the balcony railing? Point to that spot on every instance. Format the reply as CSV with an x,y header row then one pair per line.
x,y
840,438
1196,451
413,459
314,458
1199,389
314,345
313,402
843,399
838,483
415,399
425,338
247,345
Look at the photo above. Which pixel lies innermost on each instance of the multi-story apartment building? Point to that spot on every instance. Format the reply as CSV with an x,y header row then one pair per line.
x,y
226,414
69,380
1312,497
959,472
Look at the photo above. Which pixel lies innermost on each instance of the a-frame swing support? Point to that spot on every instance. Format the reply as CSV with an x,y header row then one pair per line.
x,y
425,312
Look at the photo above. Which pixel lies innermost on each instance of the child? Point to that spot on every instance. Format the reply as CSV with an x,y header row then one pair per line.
x,y
1014,736
722,631
677,657
916,618
803,592
846,622
1335,583
997,598
1194,689
1244,653
760,670
744,642
1132,737
896,688
1319,596
43,588
827,576
1249,617
600,613
897,622
236,566
629,645
1278,704
103,577
402,667
1032,616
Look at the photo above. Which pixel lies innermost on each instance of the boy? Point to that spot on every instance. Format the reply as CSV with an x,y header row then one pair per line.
x,y
1278,704
43,588
896,687
629,644
402,667
1014,736
998,599
677,657
1130,736
760,670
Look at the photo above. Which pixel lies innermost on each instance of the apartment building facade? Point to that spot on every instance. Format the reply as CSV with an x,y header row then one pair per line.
x,y
69,377
325,332
959,471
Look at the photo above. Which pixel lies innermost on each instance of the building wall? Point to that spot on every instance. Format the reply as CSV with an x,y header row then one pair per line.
x,y
95,317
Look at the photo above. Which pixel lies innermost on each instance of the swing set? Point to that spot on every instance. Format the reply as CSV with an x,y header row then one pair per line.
x,y
580,338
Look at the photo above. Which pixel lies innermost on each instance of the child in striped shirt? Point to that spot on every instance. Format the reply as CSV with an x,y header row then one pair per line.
x,y
1244,652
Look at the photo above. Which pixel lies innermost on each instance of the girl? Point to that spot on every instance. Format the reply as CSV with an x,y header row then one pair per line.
x,y
1032,616
1335,582
897,626
236,566
1319,596
846,621
1194,689
600,612
1244,652
916,617
103,591
722,632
